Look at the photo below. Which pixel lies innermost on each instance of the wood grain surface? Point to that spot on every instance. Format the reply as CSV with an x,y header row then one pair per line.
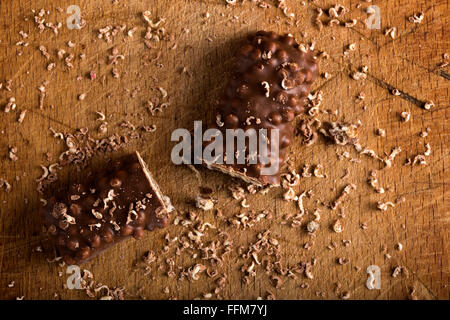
x,y
191,63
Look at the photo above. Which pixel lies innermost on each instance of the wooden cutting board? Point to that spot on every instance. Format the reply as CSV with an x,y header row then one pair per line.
x,y
191,64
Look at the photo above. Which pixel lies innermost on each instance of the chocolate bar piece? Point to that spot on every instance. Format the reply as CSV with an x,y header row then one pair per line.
x,y
271,79
121,201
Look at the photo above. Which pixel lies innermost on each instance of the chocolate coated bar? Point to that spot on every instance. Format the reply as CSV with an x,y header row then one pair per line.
x,y
271,79
122,200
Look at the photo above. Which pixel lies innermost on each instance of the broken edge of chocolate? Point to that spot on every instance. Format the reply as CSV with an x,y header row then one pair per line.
x,y
271,79
234,173
165,200
120,201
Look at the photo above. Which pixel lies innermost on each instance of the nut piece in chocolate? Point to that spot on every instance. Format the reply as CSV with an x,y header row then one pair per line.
x,y
271,78
121,201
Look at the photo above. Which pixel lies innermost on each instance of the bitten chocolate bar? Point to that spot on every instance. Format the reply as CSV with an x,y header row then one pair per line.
x,y
271,78
120,201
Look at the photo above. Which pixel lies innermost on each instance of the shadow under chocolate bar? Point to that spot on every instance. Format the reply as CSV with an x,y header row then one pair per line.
x,y
120,201
271,78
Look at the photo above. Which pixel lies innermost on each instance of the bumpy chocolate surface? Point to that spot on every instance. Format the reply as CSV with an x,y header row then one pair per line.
x,y
121,201
271,79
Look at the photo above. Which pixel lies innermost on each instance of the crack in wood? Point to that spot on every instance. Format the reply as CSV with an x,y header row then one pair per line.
x,y
444,74
383,84
435,70
51,119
